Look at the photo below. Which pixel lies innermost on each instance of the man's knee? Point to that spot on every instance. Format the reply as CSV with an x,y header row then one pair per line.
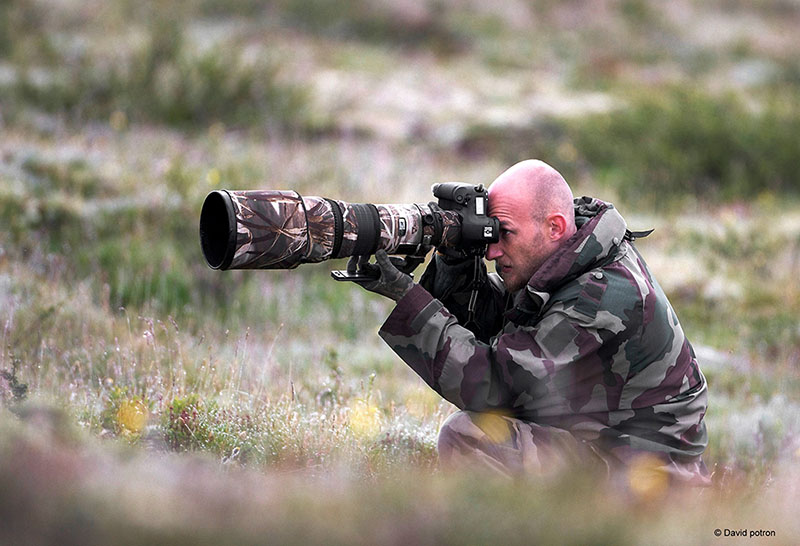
x,y
455,431
507,444
478,440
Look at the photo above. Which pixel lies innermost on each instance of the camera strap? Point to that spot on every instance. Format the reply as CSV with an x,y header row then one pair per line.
x,y
477,282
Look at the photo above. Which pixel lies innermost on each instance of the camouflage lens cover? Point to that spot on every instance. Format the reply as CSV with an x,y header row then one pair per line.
x,y
273,229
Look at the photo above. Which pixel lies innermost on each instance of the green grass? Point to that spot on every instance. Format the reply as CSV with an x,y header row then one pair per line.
x,y
50,489
684,145
664,148
746,299
147,398
154,72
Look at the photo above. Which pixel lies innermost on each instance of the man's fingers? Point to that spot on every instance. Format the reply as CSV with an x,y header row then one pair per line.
x,y
358,263
383,261
389,281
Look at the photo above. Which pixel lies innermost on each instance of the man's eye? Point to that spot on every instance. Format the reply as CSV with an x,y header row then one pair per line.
x,y
505,232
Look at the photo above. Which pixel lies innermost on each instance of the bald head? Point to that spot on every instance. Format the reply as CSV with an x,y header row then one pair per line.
x,y
542,189
533,204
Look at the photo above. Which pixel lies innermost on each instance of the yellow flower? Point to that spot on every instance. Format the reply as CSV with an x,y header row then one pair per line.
x,y
365,418
421,402
647,477
132,416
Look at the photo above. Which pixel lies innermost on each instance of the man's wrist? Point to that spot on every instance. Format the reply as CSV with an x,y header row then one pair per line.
x,y
407,308
402,290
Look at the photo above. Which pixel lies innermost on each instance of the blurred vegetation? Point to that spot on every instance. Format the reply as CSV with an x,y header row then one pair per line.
x,y
683,145
421,24
153,72
664,148
118,118
49,492
757,262
138,246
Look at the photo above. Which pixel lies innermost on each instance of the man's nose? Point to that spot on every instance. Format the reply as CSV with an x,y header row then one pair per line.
x,y
493,251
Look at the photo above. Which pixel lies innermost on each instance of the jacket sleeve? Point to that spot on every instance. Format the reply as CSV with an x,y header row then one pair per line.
x,y
526,369
451,283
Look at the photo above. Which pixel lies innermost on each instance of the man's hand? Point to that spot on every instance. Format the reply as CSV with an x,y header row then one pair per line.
x,y
392,282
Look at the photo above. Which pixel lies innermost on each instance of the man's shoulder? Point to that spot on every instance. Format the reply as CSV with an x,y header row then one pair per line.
x,y
602,297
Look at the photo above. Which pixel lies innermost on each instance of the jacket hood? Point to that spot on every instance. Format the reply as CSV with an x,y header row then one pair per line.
x,y
601,230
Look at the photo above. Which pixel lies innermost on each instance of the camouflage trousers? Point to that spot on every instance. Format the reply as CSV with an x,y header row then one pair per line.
x,y
510,447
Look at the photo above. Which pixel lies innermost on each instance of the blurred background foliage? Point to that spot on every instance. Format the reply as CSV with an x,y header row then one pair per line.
x,y
117,118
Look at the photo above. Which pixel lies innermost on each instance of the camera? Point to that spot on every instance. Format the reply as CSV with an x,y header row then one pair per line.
x,y
478,229
275,229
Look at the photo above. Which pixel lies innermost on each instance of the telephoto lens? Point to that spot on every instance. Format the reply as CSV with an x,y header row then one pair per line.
x,y
274,229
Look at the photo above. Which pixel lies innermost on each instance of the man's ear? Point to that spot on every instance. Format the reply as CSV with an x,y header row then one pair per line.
x,y
557,226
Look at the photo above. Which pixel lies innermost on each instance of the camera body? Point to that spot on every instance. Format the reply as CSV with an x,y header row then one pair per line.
x,y
471,202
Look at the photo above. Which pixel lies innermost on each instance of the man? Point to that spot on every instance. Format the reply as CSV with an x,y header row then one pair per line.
x,y
574,353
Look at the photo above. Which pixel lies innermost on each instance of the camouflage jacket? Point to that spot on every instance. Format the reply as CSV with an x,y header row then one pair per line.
x,y
591,345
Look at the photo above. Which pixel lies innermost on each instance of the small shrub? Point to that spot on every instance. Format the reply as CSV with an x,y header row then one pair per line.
x,y
5,29
74,176
12,390
512,144
231,7
664,148
194,423
183,423
760,313
415,24
138,251
184,90
164,80
20,23
686,144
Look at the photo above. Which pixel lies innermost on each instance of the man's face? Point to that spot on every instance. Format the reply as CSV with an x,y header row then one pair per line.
x,y
524,245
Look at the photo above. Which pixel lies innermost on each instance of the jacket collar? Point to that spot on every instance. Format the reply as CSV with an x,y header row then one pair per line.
x,y
601,229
